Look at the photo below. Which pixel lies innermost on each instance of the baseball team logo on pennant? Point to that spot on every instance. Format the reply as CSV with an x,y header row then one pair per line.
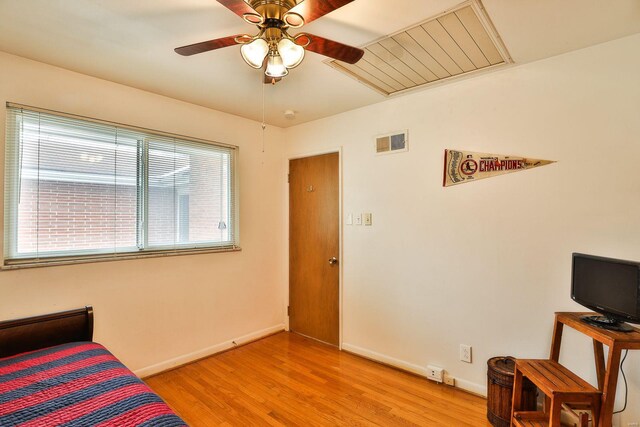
x,y
467,166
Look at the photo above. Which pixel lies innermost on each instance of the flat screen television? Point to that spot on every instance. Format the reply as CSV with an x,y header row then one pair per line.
x,y
610,287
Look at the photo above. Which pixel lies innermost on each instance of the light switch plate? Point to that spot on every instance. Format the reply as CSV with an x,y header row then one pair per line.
x,y
358,219
349,219
366,218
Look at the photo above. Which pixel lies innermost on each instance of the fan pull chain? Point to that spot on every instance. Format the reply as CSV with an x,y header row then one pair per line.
x,y
264,125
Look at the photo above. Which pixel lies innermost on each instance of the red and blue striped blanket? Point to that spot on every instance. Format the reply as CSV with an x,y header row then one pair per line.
x,y
77,384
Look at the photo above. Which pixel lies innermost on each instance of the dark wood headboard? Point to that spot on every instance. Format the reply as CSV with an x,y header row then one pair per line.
x,y
33,333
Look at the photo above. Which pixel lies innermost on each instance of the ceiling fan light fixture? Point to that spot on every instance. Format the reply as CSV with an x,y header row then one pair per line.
x,y
254,53
275,66
292,54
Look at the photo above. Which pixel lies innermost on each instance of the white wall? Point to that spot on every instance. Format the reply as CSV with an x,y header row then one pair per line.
x,y
488,263
153,313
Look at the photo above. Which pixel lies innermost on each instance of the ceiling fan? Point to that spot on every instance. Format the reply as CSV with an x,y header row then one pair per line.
x,y
273,48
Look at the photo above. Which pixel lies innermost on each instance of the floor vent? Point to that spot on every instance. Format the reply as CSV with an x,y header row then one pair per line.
x,y
455,43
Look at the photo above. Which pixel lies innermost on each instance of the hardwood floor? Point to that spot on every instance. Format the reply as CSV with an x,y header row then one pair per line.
x,y
286,379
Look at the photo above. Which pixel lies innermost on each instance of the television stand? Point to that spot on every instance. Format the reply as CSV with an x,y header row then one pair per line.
x,y
607,373
606,322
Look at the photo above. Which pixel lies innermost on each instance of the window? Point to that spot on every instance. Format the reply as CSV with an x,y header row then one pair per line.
x,y
80,188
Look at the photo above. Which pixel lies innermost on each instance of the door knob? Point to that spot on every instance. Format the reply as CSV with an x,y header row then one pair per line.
x,y
333,260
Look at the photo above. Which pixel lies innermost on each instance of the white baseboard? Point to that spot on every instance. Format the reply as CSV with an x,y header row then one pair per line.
x,y
475,388
469,386
209,351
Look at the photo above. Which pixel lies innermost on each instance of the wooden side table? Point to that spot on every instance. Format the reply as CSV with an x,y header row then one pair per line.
x,y
607,373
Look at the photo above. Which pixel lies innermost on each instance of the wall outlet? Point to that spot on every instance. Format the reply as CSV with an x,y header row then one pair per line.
x,y
435,374
449,380
633,425
358,219
465,353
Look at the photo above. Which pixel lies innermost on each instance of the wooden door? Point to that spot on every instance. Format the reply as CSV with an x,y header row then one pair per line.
x,y
313,247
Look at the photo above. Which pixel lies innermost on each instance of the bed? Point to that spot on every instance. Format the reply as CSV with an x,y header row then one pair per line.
x,y
52,374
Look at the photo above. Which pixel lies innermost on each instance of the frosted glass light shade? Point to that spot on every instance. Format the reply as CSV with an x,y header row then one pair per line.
x,y
292,54
254,53
275,66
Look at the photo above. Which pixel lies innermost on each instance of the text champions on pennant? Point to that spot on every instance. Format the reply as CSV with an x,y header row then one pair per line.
x,y
467,166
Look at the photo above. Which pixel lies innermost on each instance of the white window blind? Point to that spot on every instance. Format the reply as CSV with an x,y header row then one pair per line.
x,y
81,188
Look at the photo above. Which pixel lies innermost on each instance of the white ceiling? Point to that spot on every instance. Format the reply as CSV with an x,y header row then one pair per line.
x,y
131,42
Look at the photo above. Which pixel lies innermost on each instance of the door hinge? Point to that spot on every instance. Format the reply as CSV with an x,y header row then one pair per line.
x,y
288,310
288,178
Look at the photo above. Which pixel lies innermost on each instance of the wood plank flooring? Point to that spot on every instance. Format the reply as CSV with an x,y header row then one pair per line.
x,y
286,379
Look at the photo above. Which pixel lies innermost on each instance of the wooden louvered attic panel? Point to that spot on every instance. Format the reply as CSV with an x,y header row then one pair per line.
x,y
455,43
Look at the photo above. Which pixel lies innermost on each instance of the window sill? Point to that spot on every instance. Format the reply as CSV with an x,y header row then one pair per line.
x,y
18,264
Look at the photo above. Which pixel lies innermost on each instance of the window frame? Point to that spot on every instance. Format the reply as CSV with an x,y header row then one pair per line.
x,y
12,176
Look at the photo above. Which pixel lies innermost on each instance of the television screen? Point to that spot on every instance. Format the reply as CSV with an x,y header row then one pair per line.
x,y
609,286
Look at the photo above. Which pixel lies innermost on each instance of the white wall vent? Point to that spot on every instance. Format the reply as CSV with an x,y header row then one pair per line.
x,y
394,142
457,42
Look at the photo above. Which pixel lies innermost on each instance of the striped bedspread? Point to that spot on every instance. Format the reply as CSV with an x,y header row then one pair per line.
x,y
77,384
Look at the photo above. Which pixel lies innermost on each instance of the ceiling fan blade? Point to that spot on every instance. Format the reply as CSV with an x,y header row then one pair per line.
x,y
311,10
240,8
332,49
192,49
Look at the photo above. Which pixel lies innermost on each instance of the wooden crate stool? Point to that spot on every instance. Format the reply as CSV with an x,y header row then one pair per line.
x,y
560,386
